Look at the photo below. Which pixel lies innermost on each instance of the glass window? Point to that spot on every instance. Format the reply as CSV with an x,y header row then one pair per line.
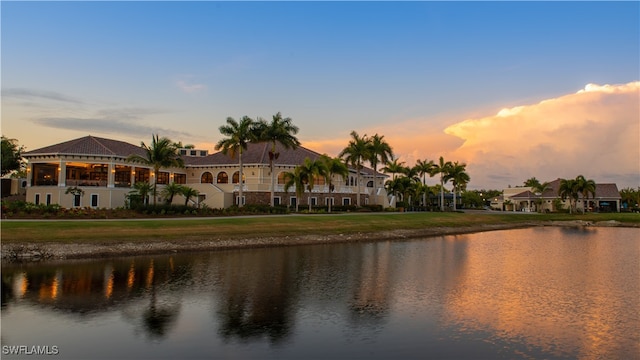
x,y
206,178
94,200
163,177
223,178
180,178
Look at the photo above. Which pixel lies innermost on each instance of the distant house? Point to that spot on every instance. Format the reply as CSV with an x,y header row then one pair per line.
x,y
100,168
607,199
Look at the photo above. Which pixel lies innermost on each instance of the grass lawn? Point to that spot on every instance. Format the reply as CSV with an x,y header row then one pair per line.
x,y
101,231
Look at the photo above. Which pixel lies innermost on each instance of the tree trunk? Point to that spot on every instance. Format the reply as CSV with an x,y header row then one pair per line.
x,y
240,180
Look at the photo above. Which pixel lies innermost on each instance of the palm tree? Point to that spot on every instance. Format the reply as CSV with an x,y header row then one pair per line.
x,y
424,167
394,167
379,152
188,193
238,135
401,187
142,189
586,187
295,178
171,190
539,190
532,182
281,131
568,189
355,154
162,153
310,170
458,177
334,166
441,168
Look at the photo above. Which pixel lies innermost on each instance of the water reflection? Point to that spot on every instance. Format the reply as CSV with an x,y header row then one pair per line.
x,y
537,292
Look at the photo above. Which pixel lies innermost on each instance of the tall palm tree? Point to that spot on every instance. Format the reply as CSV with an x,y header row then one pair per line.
x,y
296,179
586,187
394,167
568,189
310,170
279,130
334,166
379,152
355,154
238,135
441,168
162,153
458,177
424,167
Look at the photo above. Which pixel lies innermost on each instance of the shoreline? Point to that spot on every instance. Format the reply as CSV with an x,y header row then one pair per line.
x,y
16,252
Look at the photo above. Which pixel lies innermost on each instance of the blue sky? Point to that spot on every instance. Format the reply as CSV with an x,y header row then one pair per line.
x,y
126,69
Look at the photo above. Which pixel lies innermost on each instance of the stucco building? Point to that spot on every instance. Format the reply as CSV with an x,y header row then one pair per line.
x,y
100,168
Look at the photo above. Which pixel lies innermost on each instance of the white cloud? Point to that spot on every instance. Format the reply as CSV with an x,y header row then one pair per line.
x,y
190,88
594,132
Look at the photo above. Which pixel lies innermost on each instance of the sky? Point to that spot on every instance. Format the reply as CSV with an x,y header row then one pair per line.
x,y
512,89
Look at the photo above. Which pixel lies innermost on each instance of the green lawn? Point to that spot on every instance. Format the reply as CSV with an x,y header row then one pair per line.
x,y
100,231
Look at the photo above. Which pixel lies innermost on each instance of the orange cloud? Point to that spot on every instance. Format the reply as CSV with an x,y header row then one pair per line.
x,y
594,132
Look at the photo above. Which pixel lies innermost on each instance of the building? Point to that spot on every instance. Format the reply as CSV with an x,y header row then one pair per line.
x,y
99,167
607,199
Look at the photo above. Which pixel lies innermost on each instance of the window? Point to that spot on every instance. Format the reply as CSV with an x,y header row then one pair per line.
x,y
276,200
293,201
238,200
328,201
163,177
48,199
223,178
76,200
281,179
370,184
36,200
142,175
236,178
206,178
94,200
203,152
193,153
346,201
314,201
183,152
180,178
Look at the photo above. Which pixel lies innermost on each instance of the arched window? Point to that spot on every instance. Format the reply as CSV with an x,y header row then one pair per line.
x,y
236,177
370,184
223,178
281,178
206,178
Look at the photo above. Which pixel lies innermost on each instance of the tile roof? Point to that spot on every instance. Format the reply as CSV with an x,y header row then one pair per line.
x,y
258,153
89,145
602,191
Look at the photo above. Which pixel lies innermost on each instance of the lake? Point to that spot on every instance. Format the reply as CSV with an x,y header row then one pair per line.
x,y
542,292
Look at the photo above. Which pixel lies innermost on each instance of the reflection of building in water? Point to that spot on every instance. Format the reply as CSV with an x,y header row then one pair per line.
x,y
256,294
373,288
89,287
555,296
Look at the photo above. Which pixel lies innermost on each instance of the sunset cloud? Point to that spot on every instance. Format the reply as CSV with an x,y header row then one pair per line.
x,y
594,132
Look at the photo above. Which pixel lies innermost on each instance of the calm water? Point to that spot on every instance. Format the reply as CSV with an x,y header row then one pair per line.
x,y
530,293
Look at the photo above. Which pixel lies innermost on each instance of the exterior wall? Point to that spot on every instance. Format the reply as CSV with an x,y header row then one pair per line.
x,y
107,198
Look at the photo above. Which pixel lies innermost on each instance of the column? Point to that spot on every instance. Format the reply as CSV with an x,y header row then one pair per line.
x,y
62,174
133,175
111,175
